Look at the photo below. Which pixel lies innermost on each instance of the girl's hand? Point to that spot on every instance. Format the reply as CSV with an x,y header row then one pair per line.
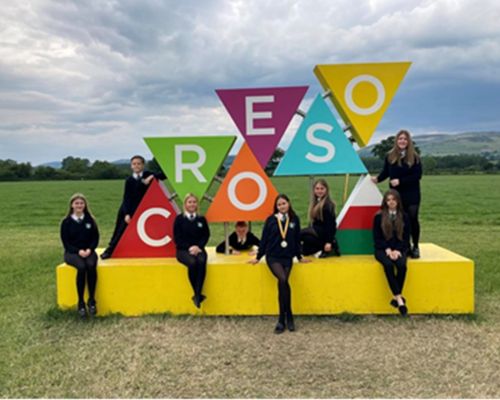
x,y
394,182
194,250
253,261
252,252
374,179
328,247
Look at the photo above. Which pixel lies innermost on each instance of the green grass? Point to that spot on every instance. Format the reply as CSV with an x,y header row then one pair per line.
x,y
49,353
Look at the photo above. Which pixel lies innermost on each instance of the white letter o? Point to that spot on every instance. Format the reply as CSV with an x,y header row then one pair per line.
x,y
231,191
380,94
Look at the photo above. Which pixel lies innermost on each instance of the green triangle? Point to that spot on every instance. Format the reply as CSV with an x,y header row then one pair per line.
x,y
190,163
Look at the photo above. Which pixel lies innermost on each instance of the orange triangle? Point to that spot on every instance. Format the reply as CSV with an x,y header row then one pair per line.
x,y
245,194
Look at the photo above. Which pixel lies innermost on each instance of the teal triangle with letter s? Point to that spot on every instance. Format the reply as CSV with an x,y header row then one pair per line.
x,y
320,147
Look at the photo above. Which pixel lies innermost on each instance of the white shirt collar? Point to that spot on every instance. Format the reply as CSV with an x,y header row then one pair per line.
x,y
81,218
281,216
137,176
188,215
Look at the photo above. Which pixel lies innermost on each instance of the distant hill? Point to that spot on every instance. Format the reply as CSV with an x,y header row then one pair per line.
x,y
53,164
451,144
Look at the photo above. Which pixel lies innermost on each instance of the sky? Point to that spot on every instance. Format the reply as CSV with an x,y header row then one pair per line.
x,y
91,79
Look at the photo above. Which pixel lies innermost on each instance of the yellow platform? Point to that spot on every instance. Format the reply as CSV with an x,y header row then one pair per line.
x,y
439,282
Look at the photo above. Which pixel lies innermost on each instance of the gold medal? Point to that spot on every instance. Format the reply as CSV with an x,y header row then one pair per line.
x,y
284,230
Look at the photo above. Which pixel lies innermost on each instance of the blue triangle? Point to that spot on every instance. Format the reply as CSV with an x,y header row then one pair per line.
x,y
320,147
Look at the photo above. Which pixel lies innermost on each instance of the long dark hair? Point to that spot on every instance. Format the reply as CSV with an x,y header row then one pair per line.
x,y
411,157
316,207
283,196
388,226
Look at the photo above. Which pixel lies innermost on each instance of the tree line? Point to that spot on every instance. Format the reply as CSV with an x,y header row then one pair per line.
x,y
81,168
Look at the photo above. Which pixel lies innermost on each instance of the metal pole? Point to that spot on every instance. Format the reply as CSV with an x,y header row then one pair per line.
x,y
346,186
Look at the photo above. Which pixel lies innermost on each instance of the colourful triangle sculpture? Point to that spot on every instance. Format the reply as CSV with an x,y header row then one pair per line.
x,y
150,232
320,147
190,163
355,221
246,192
361,93
262,115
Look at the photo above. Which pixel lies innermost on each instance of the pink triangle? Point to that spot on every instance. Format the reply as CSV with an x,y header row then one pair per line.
x,y
262,115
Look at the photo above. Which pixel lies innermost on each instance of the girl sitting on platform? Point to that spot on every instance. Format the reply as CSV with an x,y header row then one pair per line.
x,y
320,235
391,235
191,235
80,236
280,243
240,239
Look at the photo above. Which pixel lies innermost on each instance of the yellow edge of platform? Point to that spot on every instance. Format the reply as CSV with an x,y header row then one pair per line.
x,y
439,282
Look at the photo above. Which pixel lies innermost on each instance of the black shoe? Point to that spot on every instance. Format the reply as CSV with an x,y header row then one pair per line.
x,y
403,310
280,328
394,302
82,311
202,297
335,249
196,301
415,252
289,323
92,308
105,254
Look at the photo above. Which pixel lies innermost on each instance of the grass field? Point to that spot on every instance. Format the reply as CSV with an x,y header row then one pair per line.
x,y
48,353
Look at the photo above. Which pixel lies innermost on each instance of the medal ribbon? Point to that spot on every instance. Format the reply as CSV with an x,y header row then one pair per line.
x,y
283,231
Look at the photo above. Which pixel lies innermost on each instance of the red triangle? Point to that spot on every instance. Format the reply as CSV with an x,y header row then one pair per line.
x,y
359,217
150,233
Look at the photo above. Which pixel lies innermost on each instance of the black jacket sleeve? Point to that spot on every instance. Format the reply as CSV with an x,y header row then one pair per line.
x,y
95,235
403,246
252,240
330,224
221,247
298,252
384,174
264,239
205,235
65,238
127,196
378,235
179,237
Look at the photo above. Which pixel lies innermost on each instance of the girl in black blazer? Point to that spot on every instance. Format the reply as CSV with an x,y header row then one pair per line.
x,y
80,236
391,234
191,234
320,235
280,243
403,167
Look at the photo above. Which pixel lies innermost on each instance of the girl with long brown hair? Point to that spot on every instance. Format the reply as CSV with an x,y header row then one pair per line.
x,y
320,235
391,234
403,167
80,236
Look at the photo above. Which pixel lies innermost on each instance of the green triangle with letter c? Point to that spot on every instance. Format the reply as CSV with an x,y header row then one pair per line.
x,y
190,162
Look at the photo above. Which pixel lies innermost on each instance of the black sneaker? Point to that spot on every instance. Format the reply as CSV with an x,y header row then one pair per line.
x,y
196,301
403,310
289,323
325,254
105,255
92,308
280,328
82,311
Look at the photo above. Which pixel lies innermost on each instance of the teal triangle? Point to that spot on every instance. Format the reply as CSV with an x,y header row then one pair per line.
x,y
320,147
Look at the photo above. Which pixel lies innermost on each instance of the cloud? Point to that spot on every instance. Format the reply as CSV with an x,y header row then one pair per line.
x,y
92,78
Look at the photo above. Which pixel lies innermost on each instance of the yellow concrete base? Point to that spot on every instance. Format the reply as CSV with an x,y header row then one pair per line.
x,y
439,282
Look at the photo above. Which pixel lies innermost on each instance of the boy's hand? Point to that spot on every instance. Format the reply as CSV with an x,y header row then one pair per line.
x,y
148,180
127,219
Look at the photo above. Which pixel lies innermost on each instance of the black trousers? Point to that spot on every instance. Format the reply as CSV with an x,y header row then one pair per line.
x,y
412,211
197,268
120,226
86,270
310,241
395,271
281,268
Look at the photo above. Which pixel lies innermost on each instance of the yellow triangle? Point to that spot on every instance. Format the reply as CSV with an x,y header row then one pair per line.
x,y
362,92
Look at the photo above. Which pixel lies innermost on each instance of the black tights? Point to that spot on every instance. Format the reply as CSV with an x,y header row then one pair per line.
x,y
281,269
412,211
86,269
197,269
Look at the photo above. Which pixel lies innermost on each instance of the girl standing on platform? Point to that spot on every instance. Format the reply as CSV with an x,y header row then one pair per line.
x,y
80,236
191,235
320,235
403,167
280,243
391,235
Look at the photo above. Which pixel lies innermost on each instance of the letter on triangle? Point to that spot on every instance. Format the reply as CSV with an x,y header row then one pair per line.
x,y
355,221
246,192
362,92
190,163
262,115
320,147
150,233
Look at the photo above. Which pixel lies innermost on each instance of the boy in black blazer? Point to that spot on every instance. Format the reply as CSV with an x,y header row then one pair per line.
x,y
136,186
